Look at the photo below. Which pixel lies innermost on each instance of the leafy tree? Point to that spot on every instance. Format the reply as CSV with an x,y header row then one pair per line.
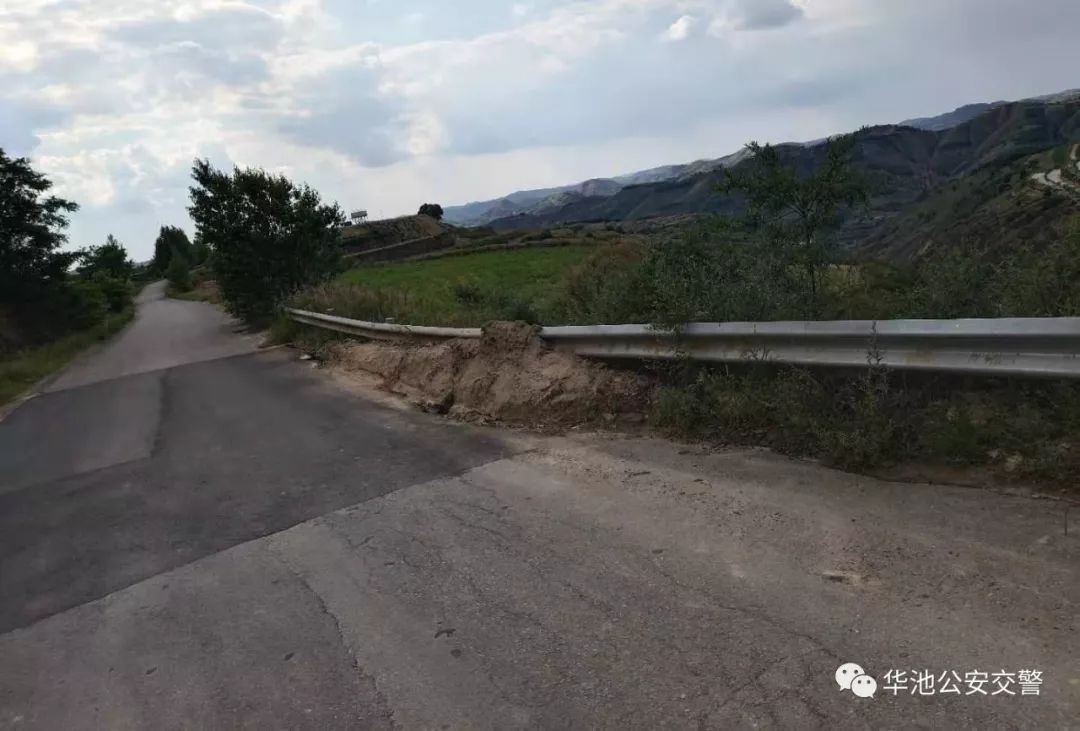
x,y
170,240
200,252
117,292
109,259
795,209
107,269
270,237
431,209
31,233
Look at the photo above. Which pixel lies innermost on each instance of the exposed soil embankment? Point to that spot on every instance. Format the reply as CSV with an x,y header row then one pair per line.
x,y
509,375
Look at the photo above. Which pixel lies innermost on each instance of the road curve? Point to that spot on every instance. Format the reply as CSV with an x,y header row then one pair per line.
x,y
166,333
194,534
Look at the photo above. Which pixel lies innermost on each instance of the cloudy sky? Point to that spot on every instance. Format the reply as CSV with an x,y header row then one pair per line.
x,y
385,104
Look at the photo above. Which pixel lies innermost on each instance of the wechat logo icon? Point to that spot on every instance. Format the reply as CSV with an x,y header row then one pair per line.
x,y
850,676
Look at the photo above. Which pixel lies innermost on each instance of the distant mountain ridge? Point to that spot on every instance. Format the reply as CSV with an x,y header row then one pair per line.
x,y
905,165
520,206
968,112
544,199
951,119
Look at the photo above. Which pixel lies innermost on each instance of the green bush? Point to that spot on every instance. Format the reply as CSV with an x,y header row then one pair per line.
x,y
866,425
494,304
88,304
284,329
608,287
179,274
117,292
468,293
269,236
873,418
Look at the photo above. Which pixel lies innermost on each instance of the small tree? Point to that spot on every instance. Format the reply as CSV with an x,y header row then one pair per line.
x,y
179,274
270,237
796,209
431,209
110,259
169,241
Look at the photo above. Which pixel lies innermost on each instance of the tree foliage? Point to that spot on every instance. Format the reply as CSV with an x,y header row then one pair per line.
x,y
200,252
40,297
269,236
32,227
179,274
110,259
793,210
108,269
432,209
171,241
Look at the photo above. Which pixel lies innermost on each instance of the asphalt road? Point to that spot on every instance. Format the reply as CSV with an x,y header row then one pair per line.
x,y
194,534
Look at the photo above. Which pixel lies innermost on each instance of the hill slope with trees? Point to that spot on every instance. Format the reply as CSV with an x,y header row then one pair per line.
x,y
907,169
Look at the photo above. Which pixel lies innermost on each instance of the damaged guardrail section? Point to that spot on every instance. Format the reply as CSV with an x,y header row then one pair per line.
x,y
381,330
1034,347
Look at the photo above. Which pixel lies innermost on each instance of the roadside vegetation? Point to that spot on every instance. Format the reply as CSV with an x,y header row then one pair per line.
x,y
778,262
267,237
53,303
21,369
460,291
203,288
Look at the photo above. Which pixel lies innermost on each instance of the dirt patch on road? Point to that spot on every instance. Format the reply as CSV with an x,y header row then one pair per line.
x,y
509,375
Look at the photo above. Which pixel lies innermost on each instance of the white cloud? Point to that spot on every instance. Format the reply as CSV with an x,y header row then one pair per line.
x,y
680,29
114,99
18,55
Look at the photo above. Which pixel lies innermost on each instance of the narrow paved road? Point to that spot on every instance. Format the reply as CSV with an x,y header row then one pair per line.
x,y
194,534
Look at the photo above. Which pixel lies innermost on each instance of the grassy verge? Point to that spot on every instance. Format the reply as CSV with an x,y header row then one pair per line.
x,y
22,370
863,420
201,293
203,288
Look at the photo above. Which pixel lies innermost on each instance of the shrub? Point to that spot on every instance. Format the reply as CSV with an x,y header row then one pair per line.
x,y
117,292
708,273
468,293
179,274
495,304
84,304
269,236
865,428
171,242
608,287
110,260
284,329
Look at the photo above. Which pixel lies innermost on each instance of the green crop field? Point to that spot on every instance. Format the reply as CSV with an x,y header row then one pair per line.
x,y
469,289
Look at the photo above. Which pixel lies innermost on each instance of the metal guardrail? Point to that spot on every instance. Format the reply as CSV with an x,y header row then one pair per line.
x,y
381,330
1030,347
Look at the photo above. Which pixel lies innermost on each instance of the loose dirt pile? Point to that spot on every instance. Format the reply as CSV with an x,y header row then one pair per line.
x,y
509,375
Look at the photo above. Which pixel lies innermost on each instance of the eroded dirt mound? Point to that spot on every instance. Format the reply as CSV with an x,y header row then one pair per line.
x,y
509,375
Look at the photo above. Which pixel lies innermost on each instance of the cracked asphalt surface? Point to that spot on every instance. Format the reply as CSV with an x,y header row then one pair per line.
x,y
194,534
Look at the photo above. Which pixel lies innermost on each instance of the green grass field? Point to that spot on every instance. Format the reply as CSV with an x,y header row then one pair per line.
x,y
469,289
